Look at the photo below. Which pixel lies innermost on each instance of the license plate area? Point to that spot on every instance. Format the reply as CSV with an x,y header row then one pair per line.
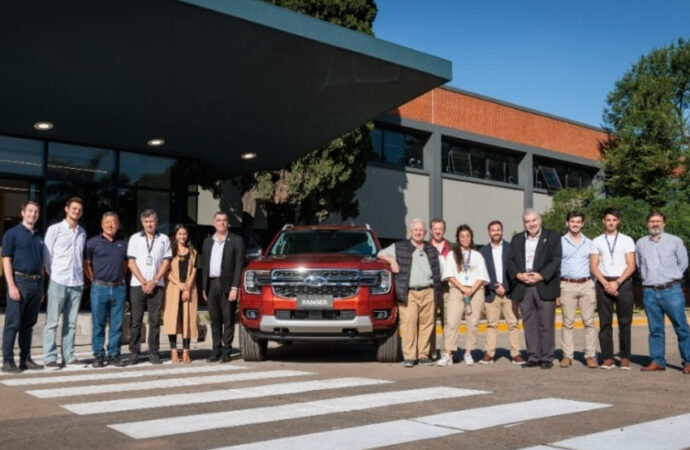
x,y
315,302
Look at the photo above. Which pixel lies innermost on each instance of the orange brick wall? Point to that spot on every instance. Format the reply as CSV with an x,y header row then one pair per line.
x,y
460,111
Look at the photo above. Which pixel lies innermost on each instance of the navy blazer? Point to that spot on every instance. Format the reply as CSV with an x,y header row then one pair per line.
x,y
491,268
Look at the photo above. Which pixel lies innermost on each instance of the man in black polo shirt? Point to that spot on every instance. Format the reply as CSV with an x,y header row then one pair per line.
x,y
104,265
22,261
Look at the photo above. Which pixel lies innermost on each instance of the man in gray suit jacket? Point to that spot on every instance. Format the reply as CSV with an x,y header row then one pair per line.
x,y
222,261
497,300
534,267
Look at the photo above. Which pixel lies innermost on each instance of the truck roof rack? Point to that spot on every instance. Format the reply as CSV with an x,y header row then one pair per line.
x,y
286,226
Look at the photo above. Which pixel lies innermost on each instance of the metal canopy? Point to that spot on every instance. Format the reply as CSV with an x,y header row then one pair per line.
x,y
214,79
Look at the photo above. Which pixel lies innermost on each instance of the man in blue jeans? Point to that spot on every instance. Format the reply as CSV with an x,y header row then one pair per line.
x,y
105,260
22,262
63,260
662,259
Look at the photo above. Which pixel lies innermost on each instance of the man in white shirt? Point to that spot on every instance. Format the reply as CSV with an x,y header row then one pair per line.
x,y
63,261
149,254
498,299
612,263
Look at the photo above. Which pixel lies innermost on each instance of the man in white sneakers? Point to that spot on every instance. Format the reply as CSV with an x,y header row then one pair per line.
x,y
612,263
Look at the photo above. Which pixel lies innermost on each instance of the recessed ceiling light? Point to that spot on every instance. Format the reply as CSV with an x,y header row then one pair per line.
x,y
155,142
43,126
248,155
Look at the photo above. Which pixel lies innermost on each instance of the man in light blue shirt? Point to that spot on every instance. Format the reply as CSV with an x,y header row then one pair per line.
x,y
662,259
577,290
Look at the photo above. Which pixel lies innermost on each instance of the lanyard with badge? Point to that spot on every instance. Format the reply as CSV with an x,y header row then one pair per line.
x,y
149,248
612,248
466,266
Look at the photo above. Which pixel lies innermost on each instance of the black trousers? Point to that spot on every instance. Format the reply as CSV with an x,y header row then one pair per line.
x,y
222,314
624,310
20,317
538,318
139,302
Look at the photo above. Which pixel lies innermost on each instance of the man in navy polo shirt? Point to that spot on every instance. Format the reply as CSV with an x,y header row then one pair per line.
x,y
22,260
104,265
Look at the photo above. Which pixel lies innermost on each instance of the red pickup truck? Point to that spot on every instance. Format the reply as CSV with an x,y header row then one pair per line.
x,y
319,283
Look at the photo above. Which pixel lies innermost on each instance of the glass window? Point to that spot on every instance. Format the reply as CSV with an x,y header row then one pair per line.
x,y
132,201
479,162
83,164
397,148
554,175
324,241
21,156
146,170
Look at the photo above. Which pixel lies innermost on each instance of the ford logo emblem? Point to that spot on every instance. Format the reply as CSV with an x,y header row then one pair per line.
x,y
315,281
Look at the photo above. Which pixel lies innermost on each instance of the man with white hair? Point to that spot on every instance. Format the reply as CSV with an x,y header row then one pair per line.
x,y
534,266
418,290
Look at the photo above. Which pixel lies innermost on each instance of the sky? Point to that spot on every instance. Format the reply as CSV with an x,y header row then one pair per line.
x,y
560,57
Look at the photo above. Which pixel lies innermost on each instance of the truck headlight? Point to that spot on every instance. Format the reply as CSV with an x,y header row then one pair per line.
x,y
255,279
379,281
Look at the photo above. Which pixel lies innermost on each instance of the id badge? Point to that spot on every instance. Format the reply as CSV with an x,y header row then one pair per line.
x,y
467,278
149,260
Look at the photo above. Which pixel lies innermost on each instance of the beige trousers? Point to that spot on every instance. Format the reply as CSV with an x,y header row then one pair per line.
x,y
582,295
509,308
417,323
455,311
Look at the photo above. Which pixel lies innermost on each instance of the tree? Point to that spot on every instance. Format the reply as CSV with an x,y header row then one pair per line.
x,y
648,120
324,181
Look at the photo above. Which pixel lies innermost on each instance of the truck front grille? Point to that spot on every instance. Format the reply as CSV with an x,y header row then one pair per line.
x,y
337,283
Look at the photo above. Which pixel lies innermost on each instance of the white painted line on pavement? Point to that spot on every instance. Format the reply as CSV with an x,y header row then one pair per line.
x,y
228,419
160,401
670,433
490,416
160,384
356,438
117,374
428,427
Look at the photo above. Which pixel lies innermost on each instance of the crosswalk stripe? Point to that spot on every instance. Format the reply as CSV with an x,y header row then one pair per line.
x,y
227,419
98,374
160,401
428,427
670,433
490,416
367,436
160,384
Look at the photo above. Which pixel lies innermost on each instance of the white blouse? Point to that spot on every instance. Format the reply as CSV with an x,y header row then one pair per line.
x,y
472,269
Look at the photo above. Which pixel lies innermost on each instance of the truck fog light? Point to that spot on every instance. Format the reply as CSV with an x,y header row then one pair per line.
x,y
381,314
251,313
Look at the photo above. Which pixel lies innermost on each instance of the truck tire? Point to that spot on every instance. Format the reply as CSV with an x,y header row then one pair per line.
x,y
389,349
252,349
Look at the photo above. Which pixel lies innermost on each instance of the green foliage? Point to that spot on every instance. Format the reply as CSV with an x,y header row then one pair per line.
x,y
324,181
633,214
356,15
647,117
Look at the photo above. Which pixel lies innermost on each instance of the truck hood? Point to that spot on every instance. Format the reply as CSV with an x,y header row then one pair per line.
x,y
318,260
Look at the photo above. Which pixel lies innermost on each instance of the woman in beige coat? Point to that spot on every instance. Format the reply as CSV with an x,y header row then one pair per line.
x,y
181,298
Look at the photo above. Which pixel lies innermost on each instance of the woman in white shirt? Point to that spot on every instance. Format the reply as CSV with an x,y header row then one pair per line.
x,y
465,270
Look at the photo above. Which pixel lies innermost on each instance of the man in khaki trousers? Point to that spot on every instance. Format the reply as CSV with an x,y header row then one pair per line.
x,y
418,290
498,296
577,290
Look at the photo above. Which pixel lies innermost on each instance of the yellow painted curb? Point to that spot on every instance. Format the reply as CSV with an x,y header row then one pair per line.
x,y
503,327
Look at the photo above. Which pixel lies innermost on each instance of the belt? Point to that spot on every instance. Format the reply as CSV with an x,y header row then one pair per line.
x,y
575,280
36,276
109,283
660,287
611,279
421,288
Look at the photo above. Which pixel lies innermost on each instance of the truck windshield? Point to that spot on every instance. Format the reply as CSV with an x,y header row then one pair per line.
x,y
352,242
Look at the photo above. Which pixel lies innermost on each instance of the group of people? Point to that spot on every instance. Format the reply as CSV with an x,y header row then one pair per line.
x,y
536,272
163,278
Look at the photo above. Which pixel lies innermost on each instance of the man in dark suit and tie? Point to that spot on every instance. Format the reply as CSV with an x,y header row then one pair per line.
x,y
534,267
221,266
497,298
